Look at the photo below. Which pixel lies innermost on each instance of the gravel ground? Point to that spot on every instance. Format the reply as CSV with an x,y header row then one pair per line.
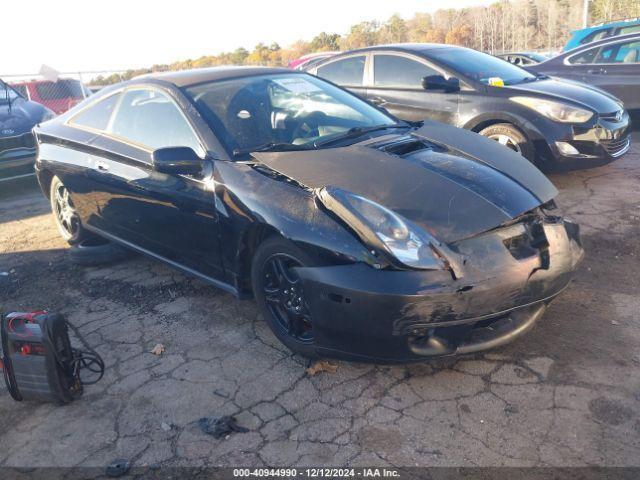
x,y
567,394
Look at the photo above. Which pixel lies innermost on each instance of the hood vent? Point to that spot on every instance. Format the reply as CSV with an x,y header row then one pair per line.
x,y
406,145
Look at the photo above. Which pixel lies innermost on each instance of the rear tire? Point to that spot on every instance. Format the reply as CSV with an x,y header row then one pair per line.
x,y
279,294
511,137
65,214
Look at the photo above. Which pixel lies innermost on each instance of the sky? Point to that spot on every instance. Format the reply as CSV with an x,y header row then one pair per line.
x,y
72,35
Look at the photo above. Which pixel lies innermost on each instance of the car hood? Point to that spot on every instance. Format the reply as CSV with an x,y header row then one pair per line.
x,y
452,182
18,119
561,90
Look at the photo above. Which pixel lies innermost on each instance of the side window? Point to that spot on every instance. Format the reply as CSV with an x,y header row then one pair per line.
x,y
631,29
97,115
344,72
397,71
597,35
149,118
584,57
628,52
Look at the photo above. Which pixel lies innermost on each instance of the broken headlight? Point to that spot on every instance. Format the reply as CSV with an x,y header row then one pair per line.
x,y
383,230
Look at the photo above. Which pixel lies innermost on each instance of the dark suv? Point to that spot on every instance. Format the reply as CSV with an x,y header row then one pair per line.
x,y
17,146
549,121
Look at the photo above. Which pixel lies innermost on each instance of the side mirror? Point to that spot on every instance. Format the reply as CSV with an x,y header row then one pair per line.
x,y
176,161
438,82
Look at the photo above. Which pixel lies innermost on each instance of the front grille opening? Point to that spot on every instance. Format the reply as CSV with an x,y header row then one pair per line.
x,y
520,246
612,116
533,241
616,147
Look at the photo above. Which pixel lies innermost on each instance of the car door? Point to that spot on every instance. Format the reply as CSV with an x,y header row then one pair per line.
x,y
395,83
618,67
171,216
348,72
578,66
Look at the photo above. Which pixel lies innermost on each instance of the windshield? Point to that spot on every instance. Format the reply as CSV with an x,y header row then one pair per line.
x,y
3,93
280,111
481,66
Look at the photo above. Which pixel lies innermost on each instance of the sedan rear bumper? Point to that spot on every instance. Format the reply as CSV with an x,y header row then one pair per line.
x,y
361,313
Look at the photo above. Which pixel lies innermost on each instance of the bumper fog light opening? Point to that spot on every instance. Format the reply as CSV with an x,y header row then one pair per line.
x,y
567,149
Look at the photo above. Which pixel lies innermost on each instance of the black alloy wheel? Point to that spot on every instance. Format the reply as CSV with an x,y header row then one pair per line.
x,y
280,294
284,295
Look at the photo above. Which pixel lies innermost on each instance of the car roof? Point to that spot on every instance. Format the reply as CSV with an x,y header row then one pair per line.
x,y
405,47
603,26
415,48
183,78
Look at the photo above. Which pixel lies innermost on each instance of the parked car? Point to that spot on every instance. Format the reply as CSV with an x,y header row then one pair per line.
x,y
602,31
307,61
17,143
612,64
523,58
551,122
58,96
360,236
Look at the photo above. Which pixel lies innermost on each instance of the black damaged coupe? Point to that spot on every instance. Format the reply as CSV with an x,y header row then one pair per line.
x,y
360,236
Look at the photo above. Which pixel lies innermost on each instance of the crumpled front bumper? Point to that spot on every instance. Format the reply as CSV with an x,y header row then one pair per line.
x,y
507,280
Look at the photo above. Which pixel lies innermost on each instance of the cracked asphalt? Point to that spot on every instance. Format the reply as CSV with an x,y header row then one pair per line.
x,y
567,394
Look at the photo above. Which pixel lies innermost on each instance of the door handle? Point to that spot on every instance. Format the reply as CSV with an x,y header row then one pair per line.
x,y
102,166
377,100
596,71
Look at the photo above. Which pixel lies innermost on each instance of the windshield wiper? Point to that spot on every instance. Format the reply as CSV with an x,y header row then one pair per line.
x,y
359,131
270,147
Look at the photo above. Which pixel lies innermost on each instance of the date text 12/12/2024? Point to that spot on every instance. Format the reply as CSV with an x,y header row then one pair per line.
x,y
316,472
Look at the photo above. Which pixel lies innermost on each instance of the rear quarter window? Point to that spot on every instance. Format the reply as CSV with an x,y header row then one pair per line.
x,y
597,35
584,57
97,115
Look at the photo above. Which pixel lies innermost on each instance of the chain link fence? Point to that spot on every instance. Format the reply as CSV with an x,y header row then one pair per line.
x,y
61,91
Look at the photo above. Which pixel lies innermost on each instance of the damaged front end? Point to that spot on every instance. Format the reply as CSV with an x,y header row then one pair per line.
x,y
464,255
503,282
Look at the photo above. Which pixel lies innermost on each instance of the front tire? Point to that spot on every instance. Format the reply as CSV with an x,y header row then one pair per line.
x,y
279,294
65,214
511,137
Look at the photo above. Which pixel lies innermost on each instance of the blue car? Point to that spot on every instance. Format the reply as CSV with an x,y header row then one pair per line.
x,y
598,32
17,145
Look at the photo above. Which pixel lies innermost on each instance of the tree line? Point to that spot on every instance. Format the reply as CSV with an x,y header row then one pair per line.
x,y
506,25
